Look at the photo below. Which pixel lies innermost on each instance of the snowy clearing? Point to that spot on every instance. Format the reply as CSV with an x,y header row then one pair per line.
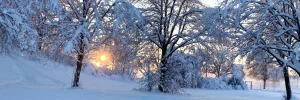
x,y
23,79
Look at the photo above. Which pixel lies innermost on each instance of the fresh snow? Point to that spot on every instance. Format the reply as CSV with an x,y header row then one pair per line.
x,y
25,79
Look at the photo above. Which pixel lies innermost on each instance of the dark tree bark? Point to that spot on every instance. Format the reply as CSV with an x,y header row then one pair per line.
x,y
162,79
163,70
286,77
81,49
78,68
287,83
265,81
265,74
79,63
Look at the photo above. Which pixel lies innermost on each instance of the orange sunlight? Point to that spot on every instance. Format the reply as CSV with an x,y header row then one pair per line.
x,y
100,59
103,58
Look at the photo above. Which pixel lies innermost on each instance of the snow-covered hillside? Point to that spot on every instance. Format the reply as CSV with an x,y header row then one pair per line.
x,y
25,79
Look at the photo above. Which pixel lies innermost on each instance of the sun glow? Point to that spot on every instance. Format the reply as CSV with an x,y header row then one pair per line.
x,y
102,58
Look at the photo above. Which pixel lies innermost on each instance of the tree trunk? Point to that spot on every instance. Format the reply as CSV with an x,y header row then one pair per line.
x,y
81,49
149,75
79,64
218,72
265,74
163,71
78,70
287,83
265,81
40,46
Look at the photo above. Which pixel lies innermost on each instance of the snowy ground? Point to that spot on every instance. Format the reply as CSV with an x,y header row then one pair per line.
x,y
23,79
275,86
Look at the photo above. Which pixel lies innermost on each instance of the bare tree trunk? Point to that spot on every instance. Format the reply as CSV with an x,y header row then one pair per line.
x,y
265,81
149,78
287,83
286,78
79,63
265,74
163,71
81,49
218,72
78,70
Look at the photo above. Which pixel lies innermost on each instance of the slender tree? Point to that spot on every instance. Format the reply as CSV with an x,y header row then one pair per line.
x,y
259,65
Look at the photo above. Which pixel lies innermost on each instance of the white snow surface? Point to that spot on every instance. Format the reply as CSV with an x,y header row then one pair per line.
x,y
25,79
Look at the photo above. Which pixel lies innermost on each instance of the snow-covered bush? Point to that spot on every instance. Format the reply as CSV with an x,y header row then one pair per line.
x,y
236,81
214,83
184,69
183,72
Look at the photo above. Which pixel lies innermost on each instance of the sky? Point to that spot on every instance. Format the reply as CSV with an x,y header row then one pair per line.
x,y
210,3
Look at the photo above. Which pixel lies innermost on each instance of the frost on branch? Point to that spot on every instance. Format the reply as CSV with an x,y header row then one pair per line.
x,y
296,51
17,30
185,69
184,72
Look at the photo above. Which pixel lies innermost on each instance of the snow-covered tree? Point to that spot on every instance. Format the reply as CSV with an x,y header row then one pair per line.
x,y
221,60
218,47
170,25
17,31
81,27
272,25
262,66
123,52
42,11
148,64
